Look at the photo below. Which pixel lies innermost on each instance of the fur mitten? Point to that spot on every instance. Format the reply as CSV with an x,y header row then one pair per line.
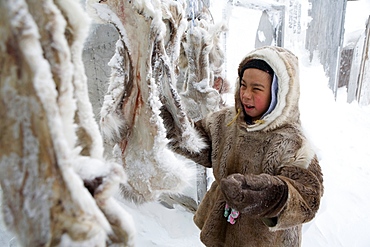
x,y
256,195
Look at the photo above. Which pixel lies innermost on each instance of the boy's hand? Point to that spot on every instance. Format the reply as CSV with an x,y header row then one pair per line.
x,y
257,195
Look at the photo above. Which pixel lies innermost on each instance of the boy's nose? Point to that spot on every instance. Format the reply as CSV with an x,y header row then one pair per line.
x,y
247,94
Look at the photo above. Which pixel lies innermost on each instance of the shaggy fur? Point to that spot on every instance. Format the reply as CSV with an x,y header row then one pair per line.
x,y
275,146
142,82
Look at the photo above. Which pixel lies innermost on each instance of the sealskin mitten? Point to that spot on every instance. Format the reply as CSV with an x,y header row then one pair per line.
x,y
256,195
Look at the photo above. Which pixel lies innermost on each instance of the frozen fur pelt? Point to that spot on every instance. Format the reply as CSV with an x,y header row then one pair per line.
x,y
130,116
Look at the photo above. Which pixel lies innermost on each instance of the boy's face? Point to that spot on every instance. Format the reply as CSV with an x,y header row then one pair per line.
x,y
255,92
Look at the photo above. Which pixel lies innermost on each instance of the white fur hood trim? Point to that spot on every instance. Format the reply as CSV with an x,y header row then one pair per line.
x,y
285,65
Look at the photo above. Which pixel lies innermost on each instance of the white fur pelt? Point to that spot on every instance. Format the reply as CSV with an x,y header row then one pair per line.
x,y
202,62
45,163
142,81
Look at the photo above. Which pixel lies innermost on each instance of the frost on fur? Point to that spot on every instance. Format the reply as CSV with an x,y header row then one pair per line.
x,y
143,84
48,125
201,66
130,116
192,141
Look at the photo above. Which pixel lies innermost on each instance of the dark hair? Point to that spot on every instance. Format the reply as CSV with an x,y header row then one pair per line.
x,y
256,64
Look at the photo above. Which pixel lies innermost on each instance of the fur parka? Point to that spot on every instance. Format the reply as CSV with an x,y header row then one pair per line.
x,y
273,145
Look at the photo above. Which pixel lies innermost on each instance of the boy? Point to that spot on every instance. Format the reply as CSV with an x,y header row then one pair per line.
x,y
268,181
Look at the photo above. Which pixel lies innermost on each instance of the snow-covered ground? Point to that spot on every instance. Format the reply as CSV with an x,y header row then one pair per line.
x,y
340,133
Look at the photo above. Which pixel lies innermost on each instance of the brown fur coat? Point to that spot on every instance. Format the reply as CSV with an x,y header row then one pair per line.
x,y
276,146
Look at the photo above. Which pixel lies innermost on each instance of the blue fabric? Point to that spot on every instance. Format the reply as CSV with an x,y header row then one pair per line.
x,y
274,91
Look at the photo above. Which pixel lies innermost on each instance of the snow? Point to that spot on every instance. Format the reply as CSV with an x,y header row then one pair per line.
x,y
357,13
261,36
340,134
160,226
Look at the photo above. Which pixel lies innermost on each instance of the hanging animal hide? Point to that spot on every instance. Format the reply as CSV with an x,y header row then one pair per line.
x,y
143,82
50,146
201,64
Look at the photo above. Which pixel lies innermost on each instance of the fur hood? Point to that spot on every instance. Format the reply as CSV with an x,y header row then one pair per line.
x,y
285,65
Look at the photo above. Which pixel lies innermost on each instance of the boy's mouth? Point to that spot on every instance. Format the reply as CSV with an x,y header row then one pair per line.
x,y
249,106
